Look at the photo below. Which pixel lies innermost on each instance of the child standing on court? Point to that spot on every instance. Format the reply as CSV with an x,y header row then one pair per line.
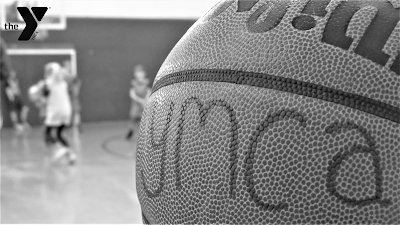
x,y
58,111
74,87
139,94
18,110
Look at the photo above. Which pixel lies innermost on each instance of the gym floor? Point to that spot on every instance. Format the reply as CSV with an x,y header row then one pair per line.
x,y
99,188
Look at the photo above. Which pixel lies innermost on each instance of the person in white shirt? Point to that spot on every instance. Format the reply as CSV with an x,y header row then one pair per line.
x,y
58,111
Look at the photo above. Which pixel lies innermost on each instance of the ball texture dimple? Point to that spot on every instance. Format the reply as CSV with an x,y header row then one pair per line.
x,y
264,112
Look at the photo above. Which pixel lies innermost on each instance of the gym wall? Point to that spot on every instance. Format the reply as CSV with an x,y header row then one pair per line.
x,y
107,50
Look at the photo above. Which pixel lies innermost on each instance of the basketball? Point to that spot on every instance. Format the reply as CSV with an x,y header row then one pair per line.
x,y
35,92
276,111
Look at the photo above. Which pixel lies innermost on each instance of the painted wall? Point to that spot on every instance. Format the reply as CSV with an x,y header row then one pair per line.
x,y
107,50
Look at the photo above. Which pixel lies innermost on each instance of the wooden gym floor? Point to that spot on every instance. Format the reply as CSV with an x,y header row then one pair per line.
x,y
99,188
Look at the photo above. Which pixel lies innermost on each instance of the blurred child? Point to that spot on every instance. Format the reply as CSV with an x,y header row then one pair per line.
x,y
5,69
58,111
74,87
18,110
139,93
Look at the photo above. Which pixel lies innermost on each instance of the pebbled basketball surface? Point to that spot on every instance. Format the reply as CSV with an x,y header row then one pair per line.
x,y
277,112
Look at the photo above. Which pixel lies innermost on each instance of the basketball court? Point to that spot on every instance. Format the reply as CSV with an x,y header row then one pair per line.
x,y
100,188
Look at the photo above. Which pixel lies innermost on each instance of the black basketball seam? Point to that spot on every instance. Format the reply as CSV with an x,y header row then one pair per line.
x,y
365,104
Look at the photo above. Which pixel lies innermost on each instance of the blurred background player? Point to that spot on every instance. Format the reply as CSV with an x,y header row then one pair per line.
x,y
5,69
139,93
18,110
58,111
74,87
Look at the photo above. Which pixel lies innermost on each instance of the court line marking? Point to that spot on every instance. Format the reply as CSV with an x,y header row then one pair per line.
x,y
106,148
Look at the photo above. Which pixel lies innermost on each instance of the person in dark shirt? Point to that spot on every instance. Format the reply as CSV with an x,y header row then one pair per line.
x,y
74,87
5,62
5,69
18,110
